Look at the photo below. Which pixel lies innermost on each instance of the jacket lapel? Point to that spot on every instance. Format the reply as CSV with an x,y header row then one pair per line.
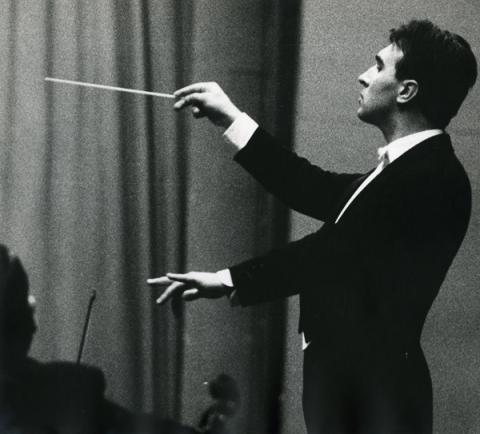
x,y
348,193
427,152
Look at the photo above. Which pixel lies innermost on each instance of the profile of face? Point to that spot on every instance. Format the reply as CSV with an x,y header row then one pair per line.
x,y
379,97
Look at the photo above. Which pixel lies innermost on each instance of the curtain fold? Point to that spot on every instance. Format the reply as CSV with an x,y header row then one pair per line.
x,y
81,171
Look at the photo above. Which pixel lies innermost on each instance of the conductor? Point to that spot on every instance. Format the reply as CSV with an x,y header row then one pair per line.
x,y
367,278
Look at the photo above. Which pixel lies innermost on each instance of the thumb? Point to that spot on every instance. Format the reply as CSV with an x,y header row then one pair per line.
x,y
191,294
197,113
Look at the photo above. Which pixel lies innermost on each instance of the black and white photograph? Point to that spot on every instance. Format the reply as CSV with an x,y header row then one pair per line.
x,y
239,217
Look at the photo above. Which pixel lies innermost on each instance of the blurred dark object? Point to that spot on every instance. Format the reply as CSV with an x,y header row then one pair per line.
x,y
226,397
68,398
119,420
43,398
17,323
56,397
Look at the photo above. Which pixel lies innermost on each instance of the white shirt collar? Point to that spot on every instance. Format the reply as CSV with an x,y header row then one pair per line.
x,y
398,147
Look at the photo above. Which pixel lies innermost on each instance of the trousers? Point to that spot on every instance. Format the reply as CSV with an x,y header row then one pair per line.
x,y
366,389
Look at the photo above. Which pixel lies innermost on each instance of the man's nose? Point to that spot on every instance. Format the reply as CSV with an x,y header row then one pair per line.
x,y
362,79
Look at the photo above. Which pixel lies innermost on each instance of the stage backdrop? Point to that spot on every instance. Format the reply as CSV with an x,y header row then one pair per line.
x,y
89,182
101,190
339,41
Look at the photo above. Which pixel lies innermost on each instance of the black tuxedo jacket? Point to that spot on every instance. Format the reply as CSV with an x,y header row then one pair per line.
x,y
375,273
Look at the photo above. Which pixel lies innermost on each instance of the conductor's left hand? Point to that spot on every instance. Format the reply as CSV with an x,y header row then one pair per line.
x,y
191,286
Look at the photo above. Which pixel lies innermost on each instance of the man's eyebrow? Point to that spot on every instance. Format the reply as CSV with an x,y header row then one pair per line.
x,y
379,60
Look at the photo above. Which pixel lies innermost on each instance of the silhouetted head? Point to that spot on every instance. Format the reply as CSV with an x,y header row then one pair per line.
x,y
17,323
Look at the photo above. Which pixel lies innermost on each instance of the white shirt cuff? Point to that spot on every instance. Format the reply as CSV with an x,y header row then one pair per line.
x,y
305,344
240,131
225,277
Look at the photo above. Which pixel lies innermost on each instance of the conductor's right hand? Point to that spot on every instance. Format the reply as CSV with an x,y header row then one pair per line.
x,y
207,100
190,286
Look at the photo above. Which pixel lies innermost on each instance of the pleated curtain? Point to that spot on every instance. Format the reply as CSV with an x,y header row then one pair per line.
x,y
90,194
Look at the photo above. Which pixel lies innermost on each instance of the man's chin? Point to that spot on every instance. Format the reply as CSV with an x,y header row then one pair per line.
x,y
361,115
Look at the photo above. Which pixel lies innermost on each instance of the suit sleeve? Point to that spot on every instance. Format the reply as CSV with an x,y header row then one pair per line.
x,y
273,276
301,185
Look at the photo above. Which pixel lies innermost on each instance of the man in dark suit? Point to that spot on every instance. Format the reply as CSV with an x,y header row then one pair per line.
x,y
368,277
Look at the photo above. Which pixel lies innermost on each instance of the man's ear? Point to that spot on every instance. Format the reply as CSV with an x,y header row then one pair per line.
x,y
408,91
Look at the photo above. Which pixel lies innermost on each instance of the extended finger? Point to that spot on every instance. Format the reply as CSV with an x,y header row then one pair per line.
x,y
195,87
164,280
172,290
192,99
182,277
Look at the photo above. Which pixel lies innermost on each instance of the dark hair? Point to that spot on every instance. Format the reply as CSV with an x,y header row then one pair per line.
x,y
441,62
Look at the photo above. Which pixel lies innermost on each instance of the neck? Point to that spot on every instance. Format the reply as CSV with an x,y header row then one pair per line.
x,y
405,125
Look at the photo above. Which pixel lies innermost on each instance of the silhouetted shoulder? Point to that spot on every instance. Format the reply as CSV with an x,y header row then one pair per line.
x,y
59,397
